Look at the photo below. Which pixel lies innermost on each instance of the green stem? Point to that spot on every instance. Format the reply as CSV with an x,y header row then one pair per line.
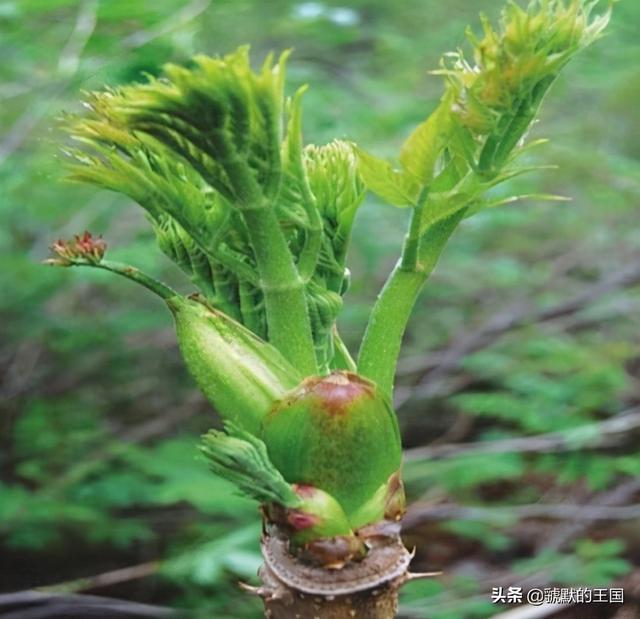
x,y
388,320
132,273
285,304
412,241
382,340
387,323
342,359
310,252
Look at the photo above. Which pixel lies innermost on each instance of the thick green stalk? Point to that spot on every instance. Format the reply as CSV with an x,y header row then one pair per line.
x,y
411,245
286,307
388,320
382,340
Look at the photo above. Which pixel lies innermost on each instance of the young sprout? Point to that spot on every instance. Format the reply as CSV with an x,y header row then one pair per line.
x,y
469,144
261,223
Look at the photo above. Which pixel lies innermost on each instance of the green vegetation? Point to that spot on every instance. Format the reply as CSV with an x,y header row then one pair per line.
x,y
530,319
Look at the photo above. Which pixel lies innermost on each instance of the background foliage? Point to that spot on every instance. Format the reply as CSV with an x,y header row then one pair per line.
x,y
529,326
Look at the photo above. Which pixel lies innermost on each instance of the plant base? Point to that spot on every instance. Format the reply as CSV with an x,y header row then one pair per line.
x,y
367,589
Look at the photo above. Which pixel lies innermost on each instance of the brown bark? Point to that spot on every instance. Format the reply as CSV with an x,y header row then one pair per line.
x,y
289,603
366,589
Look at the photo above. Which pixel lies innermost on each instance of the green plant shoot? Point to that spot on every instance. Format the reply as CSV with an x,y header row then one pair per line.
x,y
260,224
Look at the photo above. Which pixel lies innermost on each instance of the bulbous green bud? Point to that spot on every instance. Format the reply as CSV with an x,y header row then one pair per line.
x,y
316,515
319,531
240,374
337,433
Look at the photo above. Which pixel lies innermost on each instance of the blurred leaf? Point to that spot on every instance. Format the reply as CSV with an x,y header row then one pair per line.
x,y
205,563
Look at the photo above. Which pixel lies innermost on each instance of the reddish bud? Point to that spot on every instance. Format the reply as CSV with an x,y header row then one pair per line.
x,y
81,247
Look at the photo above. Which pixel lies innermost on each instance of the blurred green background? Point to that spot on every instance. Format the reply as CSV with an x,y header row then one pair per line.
x,y
529,327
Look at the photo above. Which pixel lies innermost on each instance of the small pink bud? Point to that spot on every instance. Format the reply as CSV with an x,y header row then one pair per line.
x,y
300,520
82,247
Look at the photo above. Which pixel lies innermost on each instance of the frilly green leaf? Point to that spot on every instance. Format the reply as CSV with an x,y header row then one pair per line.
x,y
393,186
242,458
421,150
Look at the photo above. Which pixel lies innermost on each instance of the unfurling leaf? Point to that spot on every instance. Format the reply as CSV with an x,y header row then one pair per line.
x,y
497,96
423,147
241,458
309,515
391,185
